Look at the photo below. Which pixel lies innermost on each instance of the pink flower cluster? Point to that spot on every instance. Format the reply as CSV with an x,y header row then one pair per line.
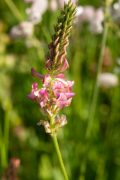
x,y
56,92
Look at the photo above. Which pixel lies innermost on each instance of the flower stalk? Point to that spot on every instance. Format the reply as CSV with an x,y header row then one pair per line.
x,y
57,148
56,92
55,141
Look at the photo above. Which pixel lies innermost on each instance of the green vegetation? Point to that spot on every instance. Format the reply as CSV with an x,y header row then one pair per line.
x,y
96,157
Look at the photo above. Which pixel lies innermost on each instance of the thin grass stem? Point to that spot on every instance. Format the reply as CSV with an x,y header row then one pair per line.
x,y
96,86
6,133
3,156
14,9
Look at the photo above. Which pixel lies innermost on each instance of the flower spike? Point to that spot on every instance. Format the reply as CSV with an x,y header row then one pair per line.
x,y
56,92
56,60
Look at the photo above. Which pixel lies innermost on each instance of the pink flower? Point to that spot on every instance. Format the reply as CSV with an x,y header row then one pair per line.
x,y
39,95
54,92
63,92
34,89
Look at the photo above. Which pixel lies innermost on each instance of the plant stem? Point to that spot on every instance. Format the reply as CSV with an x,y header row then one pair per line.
x,y
55,141
6,133
96,87
4,142
3,156
2,151
14,9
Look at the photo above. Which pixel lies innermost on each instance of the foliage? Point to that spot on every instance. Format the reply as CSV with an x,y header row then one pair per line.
x,y
97,158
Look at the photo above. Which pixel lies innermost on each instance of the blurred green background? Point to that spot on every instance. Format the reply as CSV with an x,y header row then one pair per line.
x,y
95,159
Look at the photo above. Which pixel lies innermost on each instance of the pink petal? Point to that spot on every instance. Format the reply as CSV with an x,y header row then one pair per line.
x,y
70,95
31,96
64,66
36,74
60,76
34,86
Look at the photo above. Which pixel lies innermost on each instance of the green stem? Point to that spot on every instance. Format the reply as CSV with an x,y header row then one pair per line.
x,y
4,142
55,141
96,87
6,133
3,156
14,9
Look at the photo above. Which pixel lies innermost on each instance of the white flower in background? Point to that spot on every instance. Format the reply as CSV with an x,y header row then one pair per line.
x,y
61,2
115,12
94,17
53,5
79,11
24,29
56,4
86,15
37,9
96,23
35,12
108,80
